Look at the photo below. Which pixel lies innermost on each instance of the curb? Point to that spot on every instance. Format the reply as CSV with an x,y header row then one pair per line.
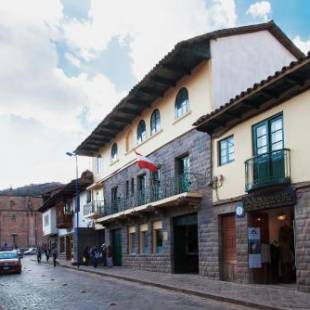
x,y
177,289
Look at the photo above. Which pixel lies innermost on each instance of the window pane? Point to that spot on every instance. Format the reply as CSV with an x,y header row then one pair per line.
x,y
277,146
276,124
262,141
277,136
262,150
261,130
181,104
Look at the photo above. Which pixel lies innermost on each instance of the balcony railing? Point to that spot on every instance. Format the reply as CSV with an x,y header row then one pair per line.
x,y
157,190
268,169
94,208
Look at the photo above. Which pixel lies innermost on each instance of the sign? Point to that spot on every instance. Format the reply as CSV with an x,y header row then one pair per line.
x,y
269,199
255,254
239,210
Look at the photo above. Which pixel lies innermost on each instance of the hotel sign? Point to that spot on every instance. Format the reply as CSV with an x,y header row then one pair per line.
x,y
270,199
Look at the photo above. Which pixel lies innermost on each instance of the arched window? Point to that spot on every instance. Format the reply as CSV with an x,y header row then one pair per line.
x,y
181,102
114,152
155,121
141,132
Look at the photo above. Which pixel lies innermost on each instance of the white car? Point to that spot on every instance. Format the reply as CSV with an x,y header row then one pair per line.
x,y
30,251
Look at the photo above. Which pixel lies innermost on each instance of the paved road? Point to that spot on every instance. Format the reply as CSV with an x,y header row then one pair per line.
x,y
45,287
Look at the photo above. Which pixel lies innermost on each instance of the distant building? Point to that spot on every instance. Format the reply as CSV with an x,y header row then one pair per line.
x,y
20,221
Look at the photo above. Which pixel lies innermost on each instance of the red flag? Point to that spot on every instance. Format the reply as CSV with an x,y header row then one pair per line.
x,y
145,163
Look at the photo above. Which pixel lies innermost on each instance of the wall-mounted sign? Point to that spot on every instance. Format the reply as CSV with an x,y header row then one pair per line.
x,y
255,253
269,199
239,210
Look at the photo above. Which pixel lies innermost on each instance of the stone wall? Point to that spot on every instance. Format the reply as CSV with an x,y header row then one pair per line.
x,y
302,238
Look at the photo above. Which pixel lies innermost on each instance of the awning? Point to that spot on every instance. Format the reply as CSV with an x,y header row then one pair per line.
x,y
189,197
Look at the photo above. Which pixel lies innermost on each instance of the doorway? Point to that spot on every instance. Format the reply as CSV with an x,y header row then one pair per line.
x,y
69,245
229,257
186,244
116,242
277,246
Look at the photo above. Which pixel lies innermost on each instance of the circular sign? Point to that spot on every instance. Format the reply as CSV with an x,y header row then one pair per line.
x,y
239,210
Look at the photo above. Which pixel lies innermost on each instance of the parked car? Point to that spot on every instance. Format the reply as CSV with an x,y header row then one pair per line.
x,y
30,251
10,262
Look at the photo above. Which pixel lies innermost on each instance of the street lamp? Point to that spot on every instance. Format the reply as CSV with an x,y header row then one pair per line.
x,y
77,205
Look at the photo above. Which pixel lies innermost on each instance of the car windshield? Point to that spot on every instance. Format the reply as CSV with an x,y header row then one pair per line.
x,y
8,255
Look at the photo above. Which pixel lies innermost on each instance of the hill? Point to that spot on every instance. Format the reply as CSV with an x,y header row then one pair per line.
x,y
33,190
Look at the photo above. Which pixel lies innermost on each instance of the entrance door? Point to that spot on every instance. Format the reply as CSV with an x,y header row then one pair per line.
x,y
68,247
186,244
116,240
229,247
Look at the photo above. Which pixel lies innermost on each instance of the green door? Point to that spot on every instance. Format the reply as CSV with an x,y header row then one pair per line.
x,y
184,174
268,151
116,236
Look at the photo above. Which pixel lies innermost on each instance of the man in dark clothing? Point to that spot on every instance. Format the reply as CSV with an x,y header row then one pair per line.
x,y
47,254
54,257
39,255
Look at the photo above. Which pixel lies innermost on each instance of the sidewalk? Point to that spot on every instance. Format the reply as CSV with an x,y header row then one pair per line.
x,y
251,295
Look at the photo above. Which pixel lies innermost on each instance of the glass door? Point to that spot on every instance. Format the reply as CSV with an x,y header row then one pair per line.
x,y
268,150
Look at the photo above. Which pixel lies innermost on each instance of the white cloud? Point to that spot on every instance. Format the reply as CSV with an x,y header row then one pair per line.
x,y
152,26
303,45
44,112
260,9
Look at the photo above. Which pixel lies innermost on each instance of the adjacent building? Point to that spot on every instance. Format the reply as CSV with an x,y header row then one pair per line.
x,y
261,180
164,220
65,226
20,221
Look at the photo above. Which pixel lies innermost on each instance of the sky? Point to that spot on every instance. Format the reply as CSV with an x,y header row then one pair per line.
x,y
66,63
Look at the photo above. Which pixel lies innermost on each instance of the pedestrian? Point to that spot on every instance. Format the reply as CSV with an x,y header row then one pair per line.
x,y
47,254
54,257
104,254
94,256
39,255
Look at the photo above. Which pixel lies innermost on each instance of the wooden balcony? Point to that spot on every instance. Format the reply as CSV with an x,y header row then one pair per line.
x,y
63,217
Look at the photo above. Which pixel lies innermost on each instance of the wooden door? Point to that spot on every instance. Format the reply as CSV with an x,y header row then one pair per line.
x,y
228,247
117,247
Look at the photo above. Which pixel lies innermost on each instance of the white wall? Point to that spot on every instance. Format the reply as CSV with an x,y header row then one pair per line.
x,y
51,227
240,61
83,222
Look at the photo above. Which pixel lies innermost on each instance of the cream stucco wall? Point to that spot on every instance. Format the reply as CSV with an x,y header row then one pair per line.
x,y
198,86
296,130
239,61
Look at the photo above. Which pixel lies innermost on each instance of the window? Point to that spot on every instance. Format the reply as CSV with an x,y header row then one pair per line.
x,y
268,135
114,199
141,189
181,102
132,240
157,237
132,187
155,122
46,220
127,189
88,196
114,152
97,164
183,178
144,244
155,185
226,151
141,132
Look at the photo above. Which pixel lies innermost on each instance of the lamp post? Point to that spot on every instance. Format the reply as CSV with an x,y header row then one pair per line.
x,y
77,205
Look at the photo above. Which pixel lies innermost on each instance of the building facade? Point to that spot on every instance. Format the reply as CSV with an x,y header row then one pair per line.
x,y
20,221
163,220
261,180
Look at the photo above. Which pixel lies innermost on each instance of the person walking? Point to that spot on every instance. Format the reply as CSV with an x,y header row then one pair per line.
x,y
39,255
54,257
94,256
47,254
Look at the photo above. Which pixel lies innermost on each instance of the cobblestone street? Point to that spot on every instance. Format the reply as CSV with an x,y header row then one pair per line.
x,y
43,287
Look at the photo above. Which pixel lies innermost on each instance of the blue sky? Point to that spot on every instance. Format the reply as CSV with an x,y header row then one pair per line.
x,y
66,63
